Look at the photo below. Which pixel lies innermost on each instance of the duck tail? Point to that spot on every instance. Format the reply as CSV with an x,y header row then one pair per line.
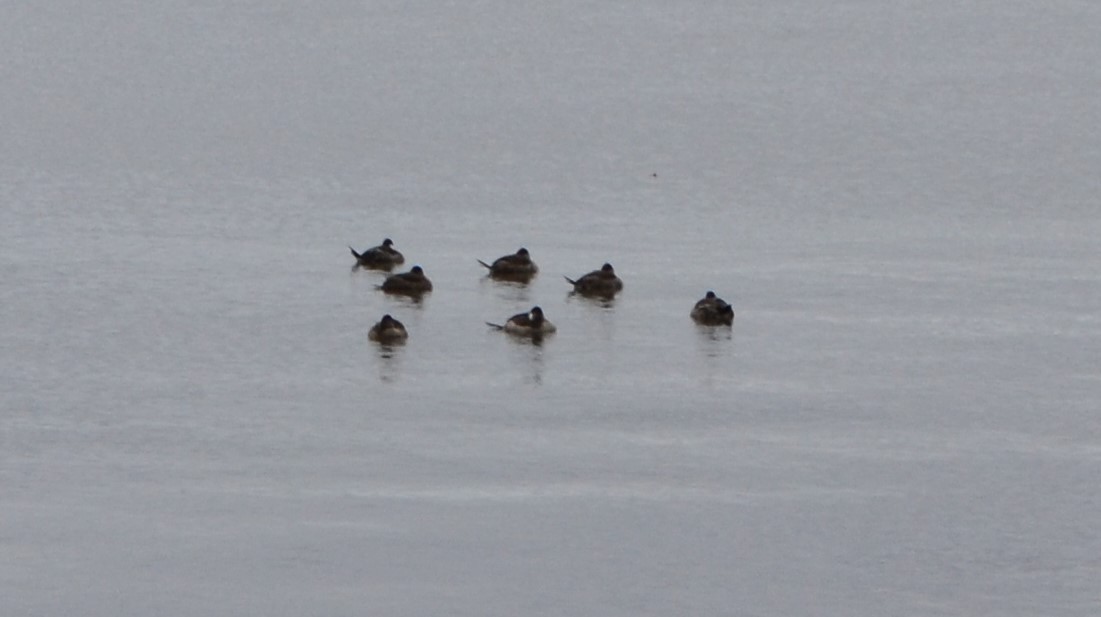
x,y
487,266
570,280
357,255
495,326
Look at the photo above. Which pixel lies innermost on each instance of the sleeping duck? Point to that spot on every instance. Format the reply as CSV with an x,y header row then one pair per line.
x,y
411,283
382,257
713,311
388,330
602,283
515,267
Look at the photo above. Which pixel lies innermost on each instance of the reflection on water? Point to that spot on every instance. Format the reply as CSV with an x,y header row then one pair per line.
x,y
400,300
717,350
515,279
714,340
525,352
358,270
529,350
381,270
535,340
412,298
600,301
509,291
389,365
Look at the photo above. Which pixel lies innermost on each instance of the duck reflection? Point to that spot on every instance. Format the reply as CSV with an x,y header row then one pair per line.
x,y
529,351
511,292
404,301
389,366
606,303
714,342
527,334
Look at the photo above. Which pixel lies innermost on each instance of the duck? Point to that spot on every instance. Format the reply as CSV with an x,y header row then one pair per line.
x,y
531,323
382,257
601,283
713,311
388,330
411,283
517,266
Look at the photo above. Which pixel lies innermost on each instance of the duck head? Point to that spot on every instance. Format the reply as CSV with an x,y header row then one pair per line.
x,y
536,316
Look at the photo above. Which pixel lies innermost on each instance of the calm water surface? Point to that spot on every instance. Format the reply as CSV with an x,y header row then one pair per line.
x,y
903,419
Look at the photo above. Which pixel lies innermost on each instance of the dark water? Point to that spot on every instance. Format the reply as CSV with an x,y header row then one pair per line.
x,y
901,420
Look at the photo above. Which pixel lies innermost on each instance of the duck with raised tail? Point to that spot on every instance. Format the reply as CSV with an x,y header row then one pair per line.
x,y
602,283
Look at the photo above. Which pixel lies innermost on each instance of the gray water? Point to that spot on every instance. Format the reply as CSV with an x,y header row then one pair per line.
x,y
899,200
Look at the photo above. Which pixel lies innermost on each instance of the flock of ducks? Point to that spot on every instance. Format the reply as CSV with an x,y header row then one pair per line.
x,y
517,267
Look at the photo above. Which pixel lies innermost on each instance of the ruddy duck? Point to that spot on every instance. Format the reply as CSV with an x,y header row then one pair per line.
x,y
515,267
388,330
411,283
382,257
531,323
713,311
602,283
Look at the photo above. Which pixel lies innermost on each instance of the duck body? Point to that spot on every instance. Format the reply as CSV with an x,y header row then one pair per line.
x,y
713,311
532,323
388,330
411,283
517,266
381,257
602,283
